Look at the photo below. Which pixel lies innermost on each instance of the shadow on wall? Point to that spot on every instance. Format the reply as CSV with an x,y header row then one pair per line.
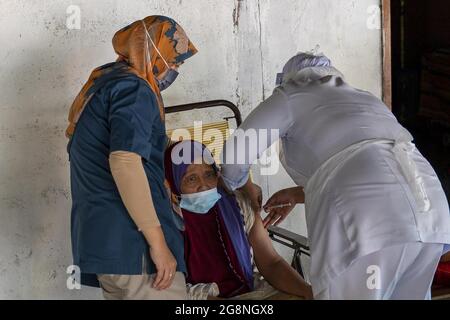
x,y
34,175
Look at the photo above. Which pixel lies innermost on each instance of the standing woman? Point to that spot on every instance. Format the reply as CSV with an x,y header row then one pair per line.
x,y
123,233
376,214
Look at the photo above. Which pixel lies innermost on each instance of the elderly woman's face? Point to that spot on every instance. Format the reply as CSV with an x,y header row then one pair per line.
x,y
198,178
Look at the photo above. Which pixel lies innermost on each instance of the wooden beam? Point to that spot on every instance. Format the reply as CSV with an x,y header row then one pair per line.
x,y
387,52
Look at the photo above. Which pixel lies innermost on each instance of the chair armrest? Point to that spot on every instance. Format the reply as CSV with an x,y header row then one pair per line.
x,y
289,239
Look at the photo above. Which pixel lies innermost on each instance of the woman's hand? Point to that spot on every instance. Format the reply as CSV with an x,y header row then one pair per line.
x,y
286,200
165,265
162,257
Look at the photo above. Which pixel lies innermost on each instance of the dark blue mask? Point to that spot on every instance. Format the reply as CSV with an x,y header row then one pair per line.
x,y
168,79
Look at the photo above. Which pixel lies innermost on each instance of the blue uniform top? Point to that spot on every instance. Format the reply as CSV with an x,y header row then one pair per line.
x,y
123,114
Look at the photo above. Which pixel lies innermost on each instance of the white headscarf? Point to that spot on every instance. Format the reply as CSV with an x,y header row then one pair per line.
x,y
304,60
304,66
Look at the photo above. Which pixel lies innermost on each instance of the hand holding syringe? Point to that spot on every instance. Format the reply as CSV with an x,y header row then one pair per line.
x,y
281,203
274,217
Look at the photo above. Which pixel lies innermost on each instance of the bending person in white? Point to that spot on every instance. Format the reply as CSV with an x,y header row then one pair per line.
x,y
377,217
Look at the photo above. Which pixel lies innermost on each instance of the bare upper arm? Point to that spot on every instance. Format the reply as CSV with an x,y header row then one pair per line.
x,y
263,250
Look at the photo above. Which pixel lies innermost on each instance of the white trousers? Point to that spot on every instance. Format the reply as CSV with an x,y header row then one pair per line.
x,y
400,272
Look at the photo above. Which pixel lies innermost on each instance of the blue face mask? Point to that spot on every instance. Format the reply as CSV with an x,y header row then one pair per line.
x,y
200,202
168,79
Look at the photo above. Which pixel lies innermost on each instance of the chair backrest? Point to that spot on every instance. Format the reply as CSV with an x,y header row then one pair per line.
x,y
213,135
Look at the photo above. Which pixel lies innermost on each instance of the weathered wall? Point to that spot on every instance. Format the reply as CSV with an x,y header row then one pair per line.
x,y
242,44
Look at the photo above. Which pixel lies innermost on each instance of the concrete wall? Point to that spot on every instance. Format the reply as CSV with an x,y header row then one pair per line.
x,y
242,44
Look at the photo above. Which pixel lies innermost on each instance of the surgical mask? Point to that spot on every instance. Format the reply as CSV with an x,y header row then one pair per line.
x,y
170,75
200,202
168,79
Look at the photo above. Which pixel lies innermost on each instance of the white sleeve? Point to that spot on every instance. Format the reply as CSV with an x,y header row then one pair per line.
x,y
264,125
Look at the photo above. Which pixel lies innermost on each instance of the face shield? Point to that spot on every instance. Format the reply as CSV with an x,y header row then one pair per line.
x,y
170,74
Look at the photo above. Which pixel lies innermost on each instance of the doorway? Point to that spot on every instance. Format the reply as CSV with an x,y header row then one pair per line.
x,y
416,86
416,75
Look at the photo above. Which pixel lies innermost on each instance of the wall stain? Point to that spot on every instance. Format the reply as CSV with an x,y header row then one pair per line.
x,y
17,260
14,202
19,257
263,89
52,275
236,14
51,194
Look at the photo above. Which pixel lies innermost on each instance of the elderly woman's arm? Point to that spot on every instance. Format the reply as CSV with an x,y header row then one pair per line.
x,y
273,267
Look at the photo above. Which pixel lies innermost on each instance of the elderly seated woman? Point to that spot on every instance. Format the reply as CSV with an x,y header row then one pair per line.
x,y
223,237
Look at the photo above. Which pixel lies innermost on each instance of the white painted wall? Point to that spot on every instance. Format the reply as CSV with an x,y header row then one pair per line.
x,y
242,45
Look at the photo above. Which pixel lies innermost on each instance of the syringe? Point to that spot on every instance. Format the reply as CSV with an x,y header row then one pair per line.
x,y
278,206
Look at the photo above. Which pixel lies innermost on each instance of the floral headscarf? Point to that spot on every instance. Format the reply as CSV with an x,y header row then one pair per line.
x,y
139,57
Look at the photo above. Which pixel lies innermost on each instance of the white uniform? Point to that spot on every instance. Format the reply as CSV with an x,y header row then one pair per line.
x,y
367,187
